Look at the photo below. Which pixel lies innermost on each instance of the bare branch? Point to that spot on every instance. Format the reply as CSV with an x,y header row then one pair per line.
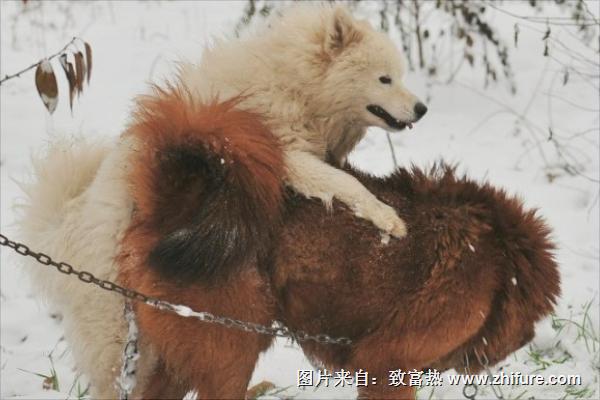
x,y
32,66
417,8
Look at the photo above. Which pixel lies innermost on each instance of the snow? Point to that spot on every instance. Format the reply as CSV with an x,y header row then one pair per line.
x,y
471,247
492,134
46,66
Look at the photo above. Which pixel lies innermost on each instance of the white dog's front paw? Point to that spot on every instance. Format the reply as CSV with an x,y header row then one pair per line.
x,y
398,228
393,224
386,219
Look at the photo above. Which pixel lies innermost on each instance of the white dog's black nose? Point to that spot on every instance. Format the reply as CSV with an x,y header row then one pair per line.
x,y
420,110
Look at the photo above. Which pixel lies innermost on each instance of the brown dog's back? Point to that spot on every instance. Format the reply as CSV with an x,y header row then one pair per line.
x,y
474,275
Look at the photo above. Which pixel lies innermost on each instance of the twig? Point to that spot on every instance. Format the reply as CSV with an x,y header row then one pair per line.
x,y
32,66
565,100
557,21
530,126
418,34
590,13
487,119
403,36
571,162
389,139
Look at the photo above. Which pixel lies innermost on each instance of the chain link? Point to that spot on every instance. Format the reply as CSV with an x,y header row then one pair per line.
x,y
276,329
485,362
470,391
127,380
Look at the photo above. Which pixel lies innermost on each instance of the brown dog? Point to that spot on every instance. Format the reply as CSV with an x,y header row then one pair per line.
x,y
473,276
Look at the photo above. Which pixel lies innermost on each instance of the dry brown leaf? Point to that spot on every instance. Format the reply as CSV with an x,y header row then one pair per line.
x,y
70,73
64,64
79,71
72,83
88,60
45,82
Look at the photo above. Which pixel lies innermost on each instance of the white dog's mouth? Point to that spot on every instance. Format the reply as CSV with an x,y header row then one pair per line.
x,y
392,122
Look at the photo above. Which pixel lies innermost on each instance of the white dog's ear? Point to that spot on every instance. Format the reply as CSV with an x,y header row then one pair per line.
x,y
341,31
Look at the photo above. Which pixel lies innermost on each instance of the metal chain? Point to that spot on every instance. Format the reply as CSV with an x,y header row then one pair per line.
x,y
127,380
470,389
485,362
276,329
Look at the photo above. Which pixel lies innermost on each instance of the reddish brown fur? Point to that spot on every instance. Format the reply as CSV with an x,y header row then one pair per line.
x,y
217,362
192,158
170,118
428,300
202,171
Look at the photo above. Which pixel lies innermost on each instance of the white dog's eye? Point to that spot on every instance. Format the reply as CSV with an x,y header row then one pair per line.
x,y
386,80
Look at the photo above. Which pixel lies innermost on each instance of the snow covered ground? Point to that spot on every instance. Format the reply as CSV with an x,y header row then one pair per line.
x,y
493,134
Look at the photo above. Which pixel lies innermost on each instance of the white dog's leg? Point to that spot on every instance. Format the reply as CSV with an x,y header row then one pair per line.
x,y
312,177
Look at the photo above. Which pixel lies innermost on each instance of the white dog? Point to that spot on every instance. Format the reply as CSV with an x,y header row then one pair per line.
x,y
320,78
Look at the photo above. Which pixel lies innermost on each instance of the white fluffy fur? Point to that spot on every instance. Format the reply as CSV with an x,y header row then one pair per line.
x,y
307,74
312,72
76,211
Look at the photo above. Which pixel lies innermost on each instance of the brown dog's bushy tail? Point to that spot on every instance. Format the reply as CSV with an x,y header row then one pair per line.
x,y
207,183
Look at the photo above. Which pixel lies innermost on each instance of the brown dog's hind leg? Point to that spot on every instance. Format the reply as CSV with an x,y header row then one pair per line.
x,y
214,360
163,385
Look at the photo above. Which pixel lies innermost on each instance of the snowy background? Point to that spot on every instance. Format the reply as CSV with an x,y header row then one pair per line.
x,y
495,135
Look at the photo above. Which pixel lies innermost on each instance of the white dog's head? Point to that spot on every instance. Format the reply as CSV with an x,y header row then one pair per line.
x,y
365,74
